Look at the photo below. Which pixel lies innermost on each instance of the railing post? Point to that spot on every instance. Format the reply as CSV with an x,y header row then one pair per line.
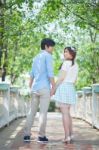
x,y
87,94
5,89
24,102
27,104
79,105
95,105
20,106
13,102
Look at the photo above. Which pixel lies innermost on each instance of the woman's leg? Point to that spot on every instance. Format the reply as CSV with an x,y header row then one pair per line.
x,y
70,119
65,109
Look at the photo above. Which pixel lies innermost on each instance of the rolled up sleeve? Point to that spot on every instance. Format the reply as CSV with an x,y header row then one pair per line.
x,y
49,63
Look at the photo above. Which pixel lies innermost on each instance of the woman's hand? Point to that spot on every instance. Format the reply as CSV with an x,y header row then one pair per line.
x,y
52,91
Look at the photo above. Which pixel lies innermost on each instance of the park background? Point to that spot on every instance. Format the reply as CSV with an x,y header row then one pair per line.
x,y
23,24
69,22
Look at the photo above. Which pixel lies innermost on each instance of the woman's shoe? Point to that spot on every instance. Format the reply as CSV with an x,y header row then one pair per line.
x,y
72,137
67,140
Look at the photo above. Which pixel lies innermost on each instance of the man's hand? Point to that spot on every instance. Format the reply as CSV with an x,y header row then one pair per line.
x,y
52,91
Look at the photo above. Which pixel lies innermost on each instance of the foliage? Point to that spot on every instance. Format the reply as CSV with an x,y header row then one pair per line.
x,y
68,22
51,107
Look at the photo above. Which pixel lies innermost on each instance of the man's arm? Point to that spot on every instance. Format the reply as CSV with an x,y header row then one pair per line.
x,y
30,82
52,91
50,74
31,76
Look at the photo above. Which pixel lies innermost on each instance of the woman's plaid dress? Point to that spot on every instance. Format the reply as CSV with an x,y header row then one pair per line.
x,y
66,92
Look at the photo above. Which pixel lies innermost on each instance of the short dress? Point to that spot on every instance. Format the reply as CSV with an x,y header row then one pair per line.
x,y
66,93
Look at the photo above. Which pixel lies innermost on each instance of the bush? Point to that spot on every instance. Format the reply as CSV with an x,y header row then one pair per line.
x,y
52,107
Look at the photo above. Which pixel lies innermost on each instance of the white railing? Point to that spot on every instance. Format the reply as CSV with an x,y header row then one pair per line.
x,y
87,107
95,105
87,96
4,104
14,104
79,106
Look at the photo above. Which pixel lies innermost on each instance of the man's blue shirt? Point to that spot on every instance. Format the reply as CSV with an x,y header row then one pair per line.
x,y
42,70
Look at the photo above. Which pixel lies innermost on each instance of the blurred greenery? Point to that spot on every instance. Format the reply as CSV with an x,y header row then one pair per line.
x,y
52,107
68,22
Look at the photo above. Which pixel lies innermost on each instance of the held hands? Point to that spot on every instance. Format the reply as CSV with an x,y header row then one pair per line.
x,y
54,88
58,82
52,91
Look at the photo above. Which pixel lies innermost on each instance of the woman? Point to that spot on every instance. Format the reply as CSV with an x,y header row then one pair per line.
x,y
65,94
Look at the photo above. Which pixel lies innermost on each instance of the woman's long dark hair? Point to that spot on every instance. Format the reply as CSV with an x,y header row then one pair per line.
x,y
72,52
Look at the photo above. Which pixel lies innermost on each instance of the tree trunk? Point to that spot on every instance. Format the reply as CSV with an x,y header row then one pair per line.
x,y
93,36
1,32
3,48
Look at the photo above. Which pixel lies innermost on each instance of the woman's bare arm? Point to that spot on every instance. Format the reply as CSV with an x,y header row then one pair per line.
x,y
60,78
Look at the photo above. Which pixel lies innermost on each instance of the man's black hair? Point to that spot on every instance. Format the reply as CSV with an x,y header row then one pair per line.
x,y
48,42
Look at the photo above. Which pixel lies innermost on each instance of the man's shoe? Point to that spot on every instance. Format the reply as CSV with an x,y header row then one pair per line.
x,y
27,138
43,139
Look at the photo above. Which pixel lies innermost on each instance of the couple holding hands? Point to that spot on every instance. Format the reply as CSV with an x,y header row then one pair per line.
x,y
43,86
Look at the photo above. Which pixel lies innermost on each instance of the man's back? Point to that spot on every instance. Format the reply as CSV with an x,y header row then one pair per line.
x,y
42,70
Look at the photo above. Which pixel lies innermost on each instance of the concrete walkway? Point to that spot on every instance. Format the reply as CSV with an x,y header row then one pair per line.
x,y
86,138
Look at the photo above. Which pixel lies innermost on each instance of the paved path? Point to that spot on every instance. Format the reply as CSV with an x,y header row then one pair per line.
x,y
86,138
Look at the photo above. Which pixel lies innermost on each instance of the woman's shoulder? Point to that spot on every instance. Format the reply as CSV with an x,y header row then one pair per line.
x,y
67,62
75,66
66,65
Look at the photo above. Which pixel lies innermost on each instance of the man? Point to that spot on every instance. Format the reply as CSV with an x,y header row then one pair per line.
x,y
42,85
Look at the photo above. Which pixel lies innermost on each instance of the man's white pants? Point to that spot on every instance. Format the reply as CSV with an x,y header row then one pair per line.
x,y
42,98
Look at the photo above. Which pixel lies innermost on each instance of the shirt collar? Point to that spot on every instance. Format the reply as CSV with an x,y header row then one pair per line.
x,y
44,51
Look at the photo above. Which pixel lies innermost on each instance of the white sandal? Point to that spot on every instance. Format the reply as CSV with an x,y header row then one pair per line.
x,y
67,140
72,136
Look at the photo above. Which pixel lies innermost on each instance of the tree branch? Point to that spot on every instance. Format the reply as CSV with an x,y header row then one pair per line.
x,y
82,18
